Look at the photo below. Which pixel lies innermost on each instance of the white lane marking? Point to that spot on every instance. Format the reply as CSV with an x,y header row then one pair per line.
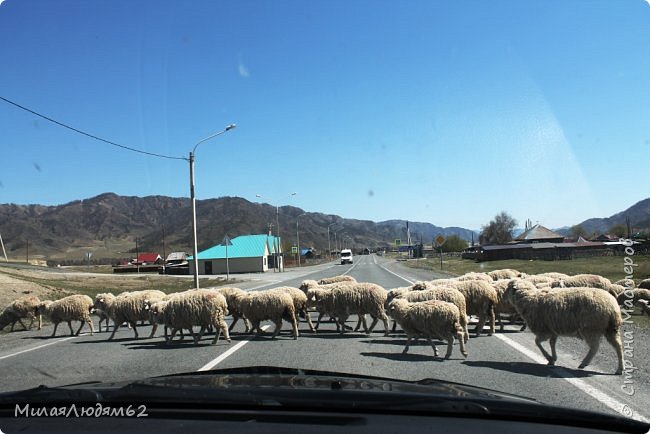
x,y
228,353
602,397
40,346
395,274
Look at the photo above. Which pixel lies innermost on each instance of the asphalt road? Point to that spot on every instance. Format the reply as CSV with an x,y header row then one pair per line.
x,y
507,362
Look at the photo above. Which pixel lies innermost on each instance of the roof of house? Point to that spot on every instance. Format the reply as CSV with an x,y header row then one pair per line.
x,y
245,246
148,257
538,232
177,256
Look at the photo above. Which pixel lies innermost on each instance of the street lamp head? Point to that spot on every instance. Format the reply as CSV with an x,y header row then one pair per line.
x,y
230,127
293,194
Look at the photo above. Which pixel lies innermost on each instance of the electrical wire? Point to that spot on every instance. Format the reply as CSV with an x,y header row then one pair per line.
x,y
128,148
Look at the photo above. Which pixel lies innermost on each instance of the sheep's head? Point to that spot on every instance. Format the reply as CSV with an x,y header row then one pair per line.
x,y
43,305
308,284
419,286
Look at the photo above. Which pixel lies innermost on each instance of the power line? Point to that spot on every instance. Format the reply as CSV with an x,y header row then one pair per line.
x,y
153,154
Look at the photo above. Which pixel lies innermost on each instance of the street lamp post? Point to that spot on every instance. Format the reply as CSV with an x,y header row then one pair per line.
x,y
298,236
329,247
195,252
335,239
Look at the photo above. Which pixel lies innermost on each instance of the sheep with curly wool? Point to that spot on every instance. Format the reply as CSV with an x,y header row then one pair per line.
x,y
335,279
629,297
260,306
199,307
586,313
231,294
504,274
434,292
554,275
504,306
299,302
360,299
582,280
480,299
17,310
128,308
432,319
475,276
72,308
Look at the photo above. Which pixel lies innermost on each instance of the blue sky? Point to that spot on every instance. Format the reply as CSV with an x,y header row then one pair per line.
x,y
443,112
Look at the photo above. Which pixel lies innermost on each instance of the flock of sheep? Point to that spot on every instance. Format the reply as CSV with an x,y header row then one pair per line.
x,y
586,306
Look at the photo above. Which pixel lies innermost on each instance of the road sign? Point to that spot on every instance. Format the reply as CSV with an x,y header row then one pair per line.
x,y
294,249
226,241
398,242
440,240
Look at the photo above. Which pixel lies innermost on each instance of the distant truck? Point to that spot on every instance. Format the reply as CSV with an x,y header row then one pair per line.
x,y
346,256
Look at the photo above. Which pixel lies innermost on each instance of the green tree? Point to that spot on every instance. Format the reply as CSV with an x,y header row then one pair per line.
x,y
499,230
579,231
620,230
454,243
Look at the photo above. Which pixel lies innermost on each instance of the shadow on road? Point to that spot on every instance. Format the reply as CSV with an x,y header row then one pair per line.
x,y
408,357
528,368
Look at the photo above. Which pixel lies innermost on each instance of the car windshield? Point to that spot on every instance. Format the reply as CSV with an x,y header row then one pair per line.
x,y
484,162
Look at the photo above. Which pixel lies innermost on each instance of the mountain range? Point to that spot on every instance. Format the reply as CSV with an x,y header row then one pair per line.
x,y
110,226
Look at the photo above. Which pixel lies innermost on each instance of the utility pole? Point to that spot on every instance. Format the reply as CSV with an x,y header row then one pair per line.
x,y
4,252
27,260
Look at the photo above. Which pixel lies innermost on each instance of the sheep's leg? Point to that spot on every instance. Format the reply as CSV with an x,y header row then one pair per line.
x,y
394,326
408,342
247,325
359,318
523,327
114,329
373,323
500,320
311,326
171,336
21,323
221,327
320,316
341,321
538,342
40,322
450,345
235,318
463,323
56,325
294,323
594,343
552,342
614,339
278,327
491,320
480,324
461,343
13,323
31,323
154,328
198,336
80,327
365,324
435,350
70,326
384,319
135,329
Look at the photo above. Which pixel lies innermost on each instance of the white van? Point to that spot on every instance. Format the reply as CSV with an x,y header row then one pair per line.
x,y
346,256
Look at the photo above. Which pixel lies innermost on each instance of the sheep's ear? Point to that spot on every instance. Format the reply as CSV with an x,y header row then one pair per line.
x,y
102,300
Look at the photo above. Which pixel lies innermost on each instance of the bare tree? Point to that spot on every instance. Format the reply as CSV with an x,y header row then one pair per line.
x,y
499,230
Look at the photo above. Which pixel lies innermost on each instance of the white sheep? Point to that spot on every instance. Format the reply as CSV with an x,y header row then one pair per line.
x,y
72,308
314,292
198,307
24,307
504,274
632,296
554,275
360,299
481,299
299,302
259,306
475,276
431,319
128,307
335,279
504,306
441,293
586,313
230,293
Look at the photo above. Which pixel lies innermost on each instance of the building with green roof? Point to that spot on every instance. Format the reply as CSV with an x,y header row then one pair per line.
x,y
245,254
